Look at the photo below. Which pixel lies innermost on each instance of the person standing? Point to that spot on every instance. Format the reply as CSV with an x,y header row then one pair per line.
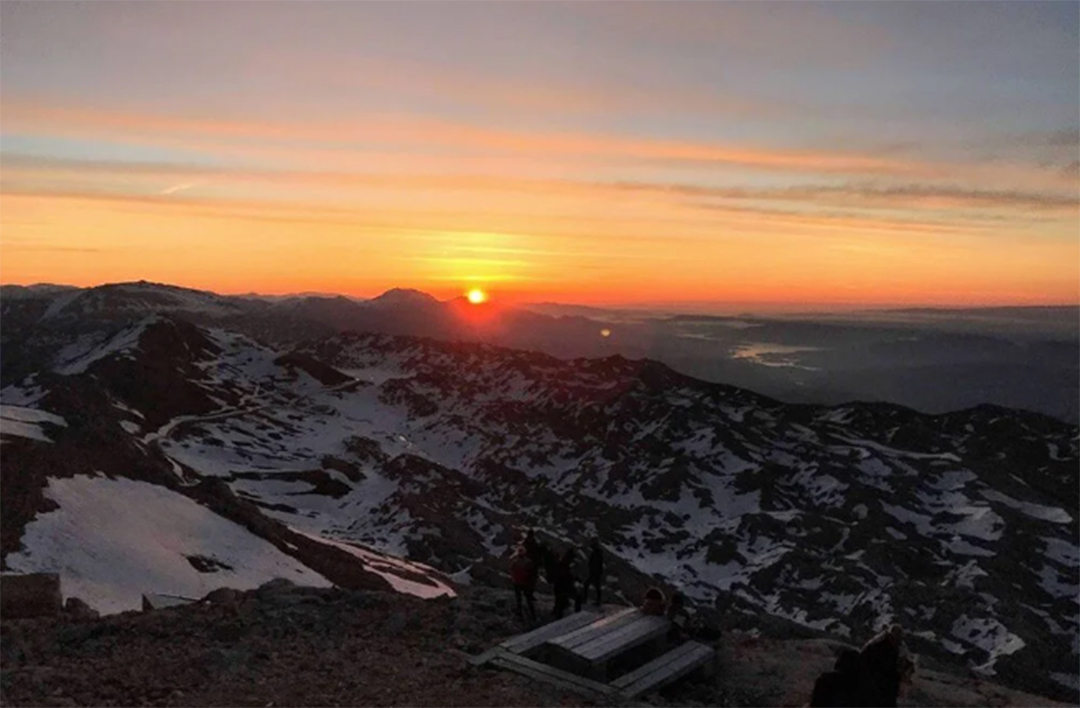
x,y
565,585
881,657
596,571
523,576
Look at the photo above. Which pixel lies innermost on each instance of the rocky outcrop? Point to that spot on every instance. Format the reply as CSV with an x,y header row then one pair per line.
x,y
30,595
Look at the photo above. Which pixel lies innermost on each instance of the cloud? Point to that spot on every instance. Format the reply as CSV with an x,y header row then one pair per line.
x,y
183,186
356,136
603,212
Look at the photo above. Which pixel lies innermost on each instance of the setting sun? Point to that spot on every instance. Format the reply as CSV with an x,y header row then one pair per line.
x,y
477,296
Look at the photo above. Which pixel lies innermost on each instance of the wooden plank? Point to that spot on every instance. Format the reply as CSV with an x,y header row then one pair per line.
x,y
483,657
524,643
623,639
595,629
656,664
663,670
549,674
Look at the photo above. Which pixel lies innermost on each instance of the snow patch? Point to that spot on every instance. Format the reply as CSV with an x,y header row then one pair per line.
x,y
1052,514
113,539
21,422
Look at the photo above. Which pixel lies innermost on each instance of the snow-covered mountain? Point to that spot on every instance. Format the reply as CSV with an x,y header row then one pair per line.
x,y
154,454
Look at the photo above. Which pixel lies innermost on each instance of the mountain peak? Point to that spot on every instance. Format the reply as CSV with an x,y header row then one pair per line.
x,y
403,296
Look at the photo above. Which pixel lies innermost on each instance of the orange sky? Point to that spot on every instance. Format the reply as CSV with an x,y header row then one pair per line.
x,y
332,168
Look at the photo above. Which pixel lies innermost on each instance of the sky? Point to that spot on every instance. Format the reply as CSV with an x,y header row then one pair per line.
x,y
835,154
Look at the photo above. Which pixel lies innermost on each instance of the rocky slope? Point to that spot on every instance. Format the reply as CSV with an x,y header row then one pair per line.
x,y
962,526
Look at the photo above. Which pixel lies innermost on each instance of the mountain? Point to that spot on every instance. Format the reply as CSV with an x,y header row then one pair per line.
x,y
154,451
401,296
935,361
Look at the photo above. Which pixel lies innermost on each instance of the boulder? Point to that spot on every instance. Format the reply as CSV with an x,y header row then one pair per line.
x,y
78,609
156,601
30,595
276,585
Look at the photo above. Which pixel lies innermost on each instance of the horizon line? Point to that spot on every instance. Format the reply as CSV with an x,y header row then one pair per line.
x,y
668,307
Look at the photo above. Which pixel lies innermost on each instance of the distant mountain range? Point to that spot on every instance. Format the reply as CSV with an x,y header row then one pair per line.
x,y
932,360
160,439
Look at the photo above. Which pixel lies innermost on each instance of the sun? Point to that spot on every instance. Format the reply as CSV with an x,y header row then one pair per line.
x,y
477,296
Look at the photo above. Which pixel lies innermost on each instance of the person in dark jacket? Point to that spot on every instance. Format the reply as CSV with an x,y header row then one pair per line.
x,y
537,553
529,543
523,576
881,657
564,585
550,563
846,685
596,571
679,616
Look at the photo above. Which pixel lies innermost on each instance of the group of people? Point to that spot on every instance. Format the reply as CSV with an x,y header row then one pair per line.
x,y
871,677
531,556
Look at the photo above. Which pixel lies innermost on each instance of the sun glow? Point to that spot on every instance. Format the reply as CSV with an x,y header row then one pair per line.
x,y
477,296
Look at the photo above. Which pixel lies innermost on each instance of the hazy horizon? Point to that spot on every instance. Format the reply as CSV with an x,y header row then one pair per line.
x,y
686,309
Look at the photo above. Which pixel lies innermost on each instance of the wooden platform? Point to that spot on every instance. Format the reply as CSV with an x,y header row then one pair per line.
x,y
664,669
596,629
549,674
633,632
583,644
525,643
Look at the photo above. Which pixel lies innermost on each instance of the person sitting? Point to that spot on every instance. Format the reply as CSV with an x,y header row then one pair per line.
x,y
654,602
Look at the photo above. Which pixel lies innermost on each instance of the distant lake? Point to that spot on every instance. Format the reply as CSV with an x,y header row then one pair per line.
x,y
776,355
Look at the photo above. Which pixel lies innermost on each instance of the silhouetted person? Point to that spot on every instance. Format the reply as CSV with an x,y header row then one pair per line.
x,y
530,544
564,585
550,563
654,602
846,685
537,553
596,571
679,617
523,576
881,657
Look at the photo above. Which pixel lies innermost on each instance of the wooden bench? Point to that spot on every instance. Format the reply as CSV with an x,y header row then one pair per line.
x,y
639,630
664,669
588,650
549,674
587,633
524,643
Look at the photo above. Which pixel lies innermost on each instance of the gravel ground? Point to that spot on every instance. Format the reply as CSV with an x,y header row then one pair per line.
x,y
289,646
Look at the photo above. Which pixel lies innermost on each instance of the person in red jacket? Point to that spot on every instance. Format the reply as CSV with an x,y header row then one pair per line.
x,y
523,576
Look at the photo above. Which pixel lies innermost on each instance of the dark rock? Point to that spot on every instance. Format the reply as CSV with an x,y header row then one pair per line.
x,y
276,585
395,624
76,608
30,595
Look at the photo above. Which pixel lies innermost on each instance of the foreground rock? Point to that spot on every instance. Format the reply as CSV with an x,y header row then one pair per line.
x,y
30,595
304,646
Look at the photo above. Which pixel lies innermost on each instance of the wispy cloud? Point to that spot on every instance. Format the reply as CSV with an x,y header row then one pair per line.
x,y
178,188
362,134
